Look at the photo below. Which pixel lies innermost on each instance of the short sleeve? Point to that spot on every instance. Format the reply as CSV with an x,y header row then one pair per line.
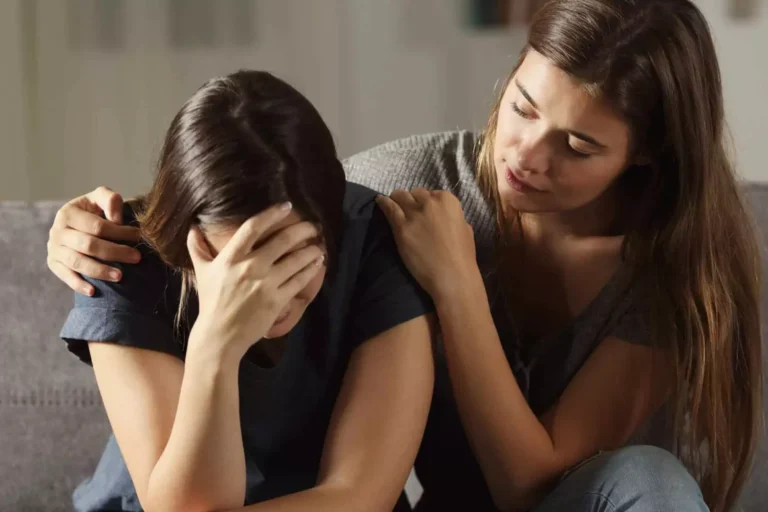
x,y
386,294
632,323
138,311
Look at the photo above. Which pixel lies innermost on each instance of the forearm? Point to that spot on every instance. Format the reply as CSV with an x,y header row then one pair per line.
x,y
203,464
513,448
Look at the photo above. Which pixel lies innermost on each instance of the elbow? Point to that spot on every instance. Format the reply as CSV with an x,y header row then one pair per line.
x,y
159,497
359,495
520,500
522,492
187,504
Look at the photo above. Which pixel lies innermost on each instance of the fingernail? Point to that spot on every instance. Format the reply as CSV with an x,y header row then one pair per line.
x,y
319,261
136,257
115,276
88,291
286,206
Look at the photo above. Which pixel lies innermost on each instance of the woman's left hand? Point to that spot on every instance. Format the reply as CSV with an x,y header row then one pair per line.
x,y
433,238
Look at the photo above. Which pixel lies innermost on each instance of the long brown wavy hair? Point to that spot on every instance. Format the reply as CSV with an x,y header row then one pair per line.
x,y
689,243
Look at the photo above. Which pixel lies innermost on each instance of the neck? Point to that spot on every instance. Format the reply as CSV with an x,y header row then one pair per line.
x,y
596,219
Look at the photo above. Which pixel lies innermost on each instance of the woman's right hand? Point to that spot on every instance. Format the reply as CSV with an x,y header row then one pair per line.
x,y
81,233
243,290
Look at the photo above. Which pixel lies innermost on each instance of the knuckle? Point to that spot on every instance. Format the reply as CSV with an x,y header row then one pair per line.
x,y
76,263
285,237
89,246
61,216
252,224
97,228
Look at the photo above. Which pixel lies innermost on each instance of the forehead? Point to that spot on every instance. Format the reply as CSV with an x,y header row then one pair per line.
x,y
218,236
565,101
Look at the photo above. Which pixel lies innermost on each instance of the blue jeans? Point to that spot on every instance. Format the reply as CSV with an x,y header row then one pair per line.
x,y
632,479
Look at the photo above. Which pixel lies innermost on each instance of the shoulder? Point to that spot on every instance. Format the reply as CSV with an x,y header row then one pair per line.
x,y
364,223
370,277
151,275
432,160
136,311
435,161
631,318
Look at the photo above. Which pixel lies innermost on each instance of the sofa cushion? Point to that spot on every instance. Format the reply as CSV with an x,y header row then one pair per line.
x,y
52,423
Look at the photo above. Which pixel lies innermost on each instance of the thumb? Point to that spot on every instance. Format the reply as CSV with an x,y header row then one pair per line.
x,y
199,252
110,202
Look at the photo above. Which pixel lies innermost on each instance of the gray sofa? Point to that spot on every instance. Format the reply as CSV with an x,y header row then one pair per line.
x,y
52,423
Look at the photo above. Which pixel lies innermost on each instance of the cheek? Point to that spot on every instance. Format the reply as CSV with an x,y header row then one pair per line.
x,y
586,178
309,292
509,131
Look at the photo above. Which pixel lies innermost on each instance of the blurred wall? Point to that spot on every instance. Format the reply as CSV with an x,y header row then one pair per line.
x,y
85,103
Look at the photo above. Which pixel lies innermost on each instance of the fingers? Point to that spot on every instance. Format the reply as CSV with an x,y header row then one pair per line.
x,y
199,251
76,262
110,202
404,198
73,216
294,262
70,278
421,195
392,210
252,230
286,240
300,279
91,246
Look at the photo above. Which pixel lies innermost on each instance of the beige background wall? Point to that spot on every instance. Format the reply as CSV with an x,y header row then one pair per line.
x,y
74,115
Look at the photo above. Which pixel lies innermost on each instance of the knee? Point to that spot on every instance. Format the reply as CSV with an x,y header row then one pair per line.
x,y
649,476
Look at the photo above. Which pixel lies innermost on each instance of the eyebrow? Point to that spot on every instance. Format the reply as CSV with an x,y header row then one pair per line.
x,y
578,135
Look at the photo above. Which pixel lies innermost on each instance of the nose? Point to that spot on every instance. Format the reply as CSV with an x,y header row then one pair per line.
x,y
533,154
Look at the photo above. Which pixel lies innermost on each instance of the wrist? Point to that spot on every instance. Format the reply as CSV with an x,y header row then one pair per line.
x,y
459,287
209,344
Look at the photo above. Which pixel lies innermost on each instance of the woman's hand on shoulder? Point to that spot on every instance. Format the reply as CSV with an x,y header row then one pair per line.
x,y
83,232
242,290
433,238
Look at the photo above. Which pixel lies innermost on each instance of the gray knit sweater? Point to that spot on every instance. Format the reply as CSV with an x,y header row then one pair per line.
x,y
436,161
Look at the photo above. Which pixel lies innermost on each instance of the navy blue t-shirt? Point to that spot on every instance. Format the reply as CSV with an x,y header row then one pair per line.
x,y
285,410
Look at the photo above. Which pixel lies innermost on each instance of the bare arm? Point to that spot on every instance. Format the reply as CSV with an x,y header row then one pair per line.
x,y
613,393
177,425
520,455
377,425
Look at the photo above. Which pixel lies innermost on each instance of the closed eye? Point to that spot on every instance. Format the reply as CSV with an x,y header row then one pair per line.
x,y
519,111
578,154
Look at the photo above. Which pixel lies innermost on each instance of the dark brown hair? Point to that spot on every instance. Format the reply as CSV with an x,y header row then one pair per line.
x,y
242,143
690,244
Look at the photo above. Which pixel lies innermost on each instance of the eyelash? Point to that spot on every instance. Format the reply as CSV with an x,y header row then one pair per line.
x,y
574,152
577,154
519,112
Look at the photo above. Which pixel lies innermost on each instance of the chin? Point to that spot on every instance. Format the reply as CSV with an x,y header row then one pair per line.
x,y
284,327
522,203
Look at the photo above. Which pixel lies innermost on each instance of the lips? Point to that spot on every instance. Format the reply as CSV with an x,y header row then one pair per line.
x,y
518,183
282,317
